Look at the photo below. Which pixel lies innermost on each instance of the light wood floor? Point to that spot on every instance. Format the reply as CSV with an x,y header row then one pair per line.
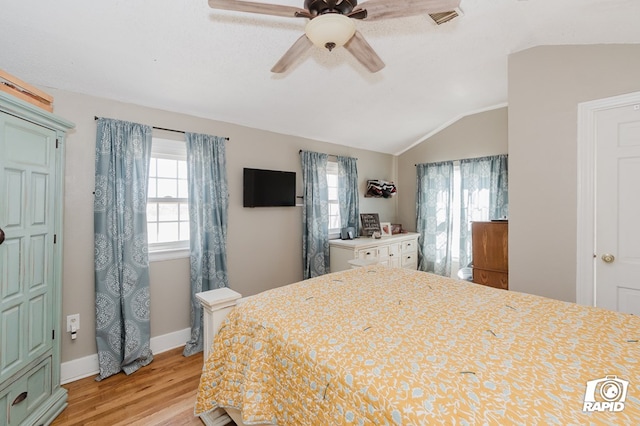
x,y
162,393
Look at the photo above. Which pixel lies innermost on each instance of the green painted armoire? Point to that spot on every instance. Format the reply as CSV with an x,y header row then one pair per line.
x,y
31,201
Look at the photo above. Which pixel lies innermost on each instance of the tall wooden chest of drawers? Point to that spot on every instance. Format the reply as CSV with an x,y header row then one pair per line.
x,y
490,248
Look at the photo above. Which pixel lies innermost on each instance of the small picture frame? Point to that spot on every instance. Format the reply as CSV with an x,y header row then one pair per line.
x,y
396,228
370,223
385,229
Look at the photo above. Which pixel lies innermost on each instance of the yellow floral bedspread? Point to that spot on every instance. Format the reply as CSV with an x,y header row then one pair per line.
x,y
392,346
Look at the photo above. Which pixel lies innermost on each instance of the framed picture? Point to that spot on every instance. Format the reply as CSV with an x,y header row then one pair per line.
x,y
370,223
385,228
396,228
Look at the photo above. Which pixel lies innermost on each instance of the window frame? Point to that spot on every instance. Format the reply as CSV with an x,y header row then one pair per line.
x,y
169,149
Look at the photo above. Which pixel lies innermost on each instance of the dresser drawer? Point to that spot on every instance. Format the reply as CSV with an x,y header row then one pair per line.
x,y
409,247
410,261
491,278
368,254
26,394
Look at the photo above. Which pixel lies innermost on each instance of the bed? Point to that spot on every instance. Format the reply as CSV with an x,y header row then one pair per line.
x,y
390,346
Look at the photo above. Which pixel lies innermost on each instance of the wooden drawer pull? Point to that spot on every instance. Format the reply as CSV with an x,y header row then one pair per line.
x,y
19,398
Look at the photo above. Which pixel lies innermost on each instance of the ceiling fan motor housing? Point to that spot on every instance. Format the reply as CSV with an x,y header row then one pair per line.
x,y
320,7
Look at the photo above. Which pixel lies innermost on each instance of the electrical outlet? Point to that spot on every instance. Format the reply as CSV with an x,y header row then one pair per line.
x,y
73,320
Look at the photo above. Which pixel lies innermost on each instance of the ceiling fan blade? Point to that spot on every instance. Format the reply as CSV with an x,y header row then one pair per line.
x,y
385,9
264,8
364,53
298,48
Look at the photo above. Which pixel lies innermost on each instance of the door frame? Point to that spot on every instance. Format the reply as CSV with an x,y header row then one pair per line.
x,y
586,192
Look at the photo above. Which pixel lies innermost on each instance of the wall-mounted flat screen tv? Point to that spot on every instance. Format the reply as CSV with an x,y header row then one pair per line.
x,y
269,188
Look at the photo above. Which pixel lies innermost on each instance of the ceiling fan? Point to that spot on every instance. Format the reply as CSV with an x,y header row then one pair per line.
x,y
330,23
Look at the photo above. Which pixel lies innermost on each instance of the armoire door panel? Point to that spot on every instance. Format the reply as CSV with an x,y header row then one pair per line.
x,y
11,274
38,261
14,192
38,338
11,319
39,210
34,147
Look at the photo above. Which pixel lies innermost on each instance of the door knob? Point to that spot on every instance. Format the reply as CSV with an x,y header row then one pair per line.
x,y
608,258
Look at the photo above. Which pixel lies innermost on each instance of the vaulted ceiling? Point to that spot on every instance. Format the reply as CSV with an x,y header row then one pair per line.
x,y
181,55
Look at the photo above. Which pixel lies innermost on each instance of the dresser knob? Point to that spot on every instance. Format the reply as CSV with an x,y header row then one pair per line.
x,y
20,398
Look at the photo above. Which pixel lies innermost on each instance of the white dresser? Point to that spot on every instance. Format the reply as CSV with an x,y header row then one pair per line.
x,y
399,250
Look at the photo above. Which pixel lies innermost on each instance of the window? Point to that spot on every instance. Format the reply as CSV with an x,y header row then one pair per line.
x,y
334,206
455,209
168,200
477,210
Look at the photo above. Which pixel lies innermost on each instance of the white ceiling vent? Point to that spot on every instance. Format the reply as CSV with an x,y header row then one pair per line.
x,y
442,17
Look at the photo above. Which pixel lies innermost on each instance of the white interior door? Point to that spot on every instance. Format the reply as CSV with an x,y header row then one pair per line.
x,y
617,216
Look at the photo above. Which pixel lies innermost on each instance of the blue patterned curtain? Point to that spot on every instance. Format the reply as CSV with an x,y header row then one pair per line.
x,y
208,215
484,196
434,216
348,198
123,331
315,214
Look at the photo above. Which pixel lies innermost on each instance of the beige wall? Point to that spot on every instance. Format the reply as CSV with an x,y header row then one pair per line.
x,y
264,247
473,136
264,244
545,86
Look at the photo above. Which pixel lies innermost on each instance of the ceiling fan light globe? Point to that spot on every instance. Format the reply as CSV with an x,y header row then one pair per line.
x,y
330,29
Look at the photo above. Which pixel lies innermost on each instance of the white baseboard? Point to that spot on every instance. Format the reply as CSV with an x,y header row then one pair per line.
x,y
77,369
169,341
80,368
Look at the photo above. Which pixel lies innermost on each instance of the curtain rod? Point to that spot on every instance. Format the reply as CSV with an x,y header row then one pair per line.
x,y
162,128
330,155
459,160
